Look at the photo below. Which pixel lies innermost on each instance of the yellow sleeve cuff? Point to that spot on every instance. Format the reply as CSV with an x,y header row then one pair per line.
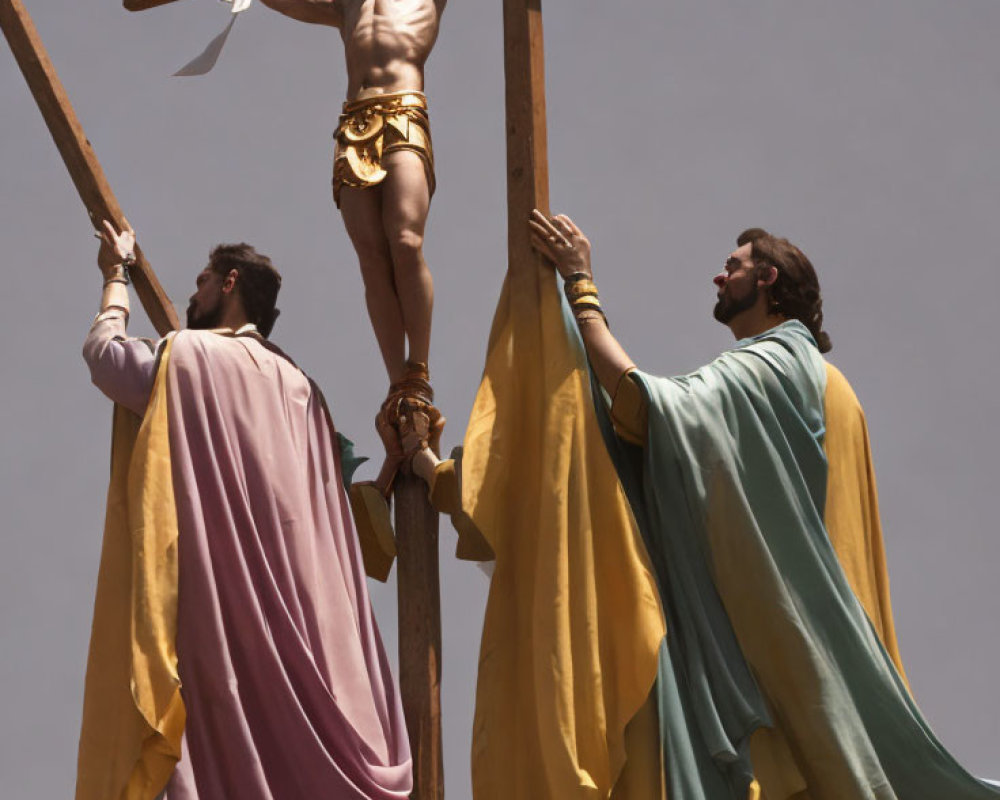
x,y
629,410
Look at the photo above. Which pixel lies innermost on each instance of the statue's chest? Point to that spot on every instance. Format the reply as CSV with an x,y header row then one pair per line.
x,y
393,12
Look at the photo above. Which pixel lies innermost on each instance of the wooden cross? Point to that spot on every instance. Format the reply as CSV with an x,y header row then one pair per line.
x,y
527,143
83,166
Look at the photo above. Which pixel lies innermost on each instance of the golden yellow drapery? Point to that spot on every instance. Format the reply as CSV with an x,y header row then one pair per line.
x,y
573,621
133,715
852,522
852,518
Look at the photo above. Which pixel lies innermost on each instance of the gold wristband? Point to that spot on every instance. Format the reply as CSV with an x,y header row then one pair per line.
x,y
580,289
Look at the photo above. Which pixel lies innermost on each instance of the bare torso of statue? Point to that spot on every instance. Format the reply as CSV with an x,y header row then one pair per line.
x,y
383,176
386,43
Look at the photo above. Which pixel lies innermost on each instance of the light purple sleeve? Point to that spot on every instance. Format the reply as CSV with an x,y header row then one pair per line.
x,y
122,368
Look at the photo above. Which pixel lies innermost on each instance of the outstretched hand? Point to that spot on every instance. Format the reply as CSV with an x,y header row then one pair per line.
x,y
116,248
561,242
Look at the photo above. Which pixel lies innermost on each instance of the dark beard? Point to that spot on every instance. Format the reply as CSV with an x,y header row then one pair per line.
x,y
727,308
207,321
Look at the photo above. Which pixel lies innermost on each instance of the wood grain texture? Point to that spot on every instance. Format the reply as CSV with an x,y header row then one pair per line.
x,y
142,5
527,144
75,149
419,602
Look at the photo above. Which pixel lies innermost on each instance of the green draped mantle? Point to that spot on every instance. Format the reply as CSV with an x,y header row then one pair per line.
x,y
763,627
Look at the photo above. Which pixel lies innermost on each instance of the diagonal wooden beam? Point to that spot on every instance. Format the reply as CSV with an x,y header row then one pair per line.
x,y
142,5
82,163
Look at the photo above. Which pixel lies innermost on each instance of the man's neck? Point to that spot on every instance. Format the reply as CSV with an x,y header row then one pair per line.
x,y
744,326
234,320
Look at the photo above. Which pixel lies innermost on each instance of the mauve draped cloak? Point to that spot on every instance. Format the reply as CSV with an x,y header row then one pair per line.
x,y
284,678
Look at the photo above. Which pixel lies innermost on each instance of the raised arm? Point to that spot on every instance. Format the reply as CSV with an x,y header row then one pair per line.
x,y
319,12
121,368
568,250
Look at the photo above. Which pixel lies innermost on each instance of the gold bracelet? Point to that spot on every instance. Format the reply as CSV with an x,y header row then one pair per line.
x,y
583,307
580,289
585,301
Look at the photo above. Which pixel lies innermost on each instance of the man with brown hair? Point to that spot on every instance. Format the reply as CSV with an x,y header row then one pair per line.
x,y
751,481
234,652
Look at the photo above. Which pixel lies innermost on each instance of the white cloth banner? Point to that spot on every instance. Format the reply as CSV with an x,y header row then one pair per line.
x,y
204,62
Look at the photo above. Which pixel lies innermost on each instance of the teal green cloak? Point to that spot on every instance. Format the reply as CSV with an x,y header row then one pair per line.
x,y
763,628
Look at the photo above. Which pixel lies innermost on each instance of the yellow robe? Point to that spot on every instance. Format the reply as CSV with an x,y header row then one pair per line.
x,y
573,622
133,715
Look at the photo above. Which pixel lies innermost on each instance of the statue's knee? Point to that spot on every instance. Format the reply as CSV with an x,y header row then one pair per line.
x,y
406,244
375,263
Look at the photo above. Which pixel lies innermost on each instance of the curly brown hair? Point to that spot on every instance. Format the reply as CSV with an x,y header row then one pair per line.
x,y
258,282
795,293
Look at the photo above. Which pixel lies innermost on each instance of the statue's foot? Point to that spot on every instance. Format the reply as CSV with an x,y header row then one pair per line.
x,y
420,429
408,413
394,455
414,386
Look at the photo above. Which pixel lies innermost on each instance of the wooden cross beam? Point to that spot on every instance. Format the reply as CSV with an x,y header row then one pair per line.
x,y
418,598
142,5
82,163
527,142
416,522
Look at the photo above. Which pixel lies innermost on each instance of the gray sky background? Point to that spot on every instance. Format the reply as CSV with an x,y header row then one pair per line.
x,y
865,132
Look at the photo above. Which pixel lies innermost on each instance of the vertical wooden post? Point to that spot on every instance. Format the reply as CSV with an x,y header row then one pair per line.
x,y
419,603
527,146
82,163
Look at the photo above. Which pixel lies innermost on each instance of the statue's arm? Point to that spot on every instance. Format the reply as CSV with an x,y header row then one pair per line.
x,y
120,367
319,12
565,247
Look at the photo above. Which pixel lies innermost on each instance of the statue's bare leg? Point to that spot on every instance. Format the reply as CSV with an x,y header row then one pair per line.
x,y
406,201
362,210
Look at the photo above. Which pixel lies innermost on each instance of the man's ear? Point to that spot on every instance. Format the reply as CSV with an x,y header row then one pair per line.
x,y
229,282
765,277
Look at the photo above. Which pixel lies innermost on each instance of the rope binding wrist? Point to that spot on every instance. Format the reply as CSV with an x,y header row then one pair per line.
x,y
119,273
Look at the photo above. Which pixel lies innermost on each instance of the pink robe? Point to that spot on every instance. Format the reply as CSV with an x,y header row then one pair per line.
x,y
287,688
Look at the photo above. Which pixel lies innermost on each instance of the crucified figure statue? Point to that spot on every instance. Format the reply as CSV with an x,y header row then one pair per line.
x,y
383,175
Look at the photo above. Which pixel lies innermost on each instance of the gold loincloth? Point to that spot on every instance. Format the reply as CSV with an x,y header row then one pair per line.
x,y
373,127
